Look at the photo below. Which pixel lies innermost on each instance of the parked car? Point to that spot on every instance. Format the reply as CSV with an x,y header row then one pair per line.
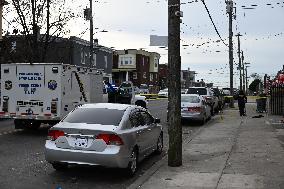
x,y
144,89
183,91
208,96
194,107
136,90
163,93
220,95
105,134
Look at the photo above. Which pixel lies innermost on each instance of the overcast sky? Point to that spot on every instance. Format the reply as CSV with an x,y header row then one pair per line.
x,y
131,22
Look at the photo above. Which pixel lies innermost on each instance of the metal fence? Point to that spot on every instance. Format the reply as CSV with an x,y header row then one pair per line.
x,y
277,99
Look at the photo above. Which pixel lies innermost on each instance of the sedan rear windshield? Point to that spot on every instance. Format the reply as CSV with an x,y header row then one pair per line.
x,y
190,99
101,116
200,91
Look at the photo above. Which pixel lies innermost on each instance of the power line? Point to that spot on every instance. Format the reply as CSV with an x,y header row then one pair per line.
x,y
213,22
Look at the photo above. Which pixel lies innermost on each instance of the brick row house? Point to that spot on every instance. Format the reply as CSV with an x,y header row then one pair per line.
x,y
138,66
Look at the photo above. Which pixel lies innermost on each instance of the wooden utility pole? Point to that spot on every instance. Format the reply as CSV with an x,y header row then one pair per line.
x,y
91,35
230,6
243,68
174,63
240,61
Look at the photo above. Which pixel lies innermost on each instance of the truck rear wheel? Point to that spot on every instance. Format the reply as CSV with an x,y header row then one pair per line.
x,y
33,125
26,124
18,124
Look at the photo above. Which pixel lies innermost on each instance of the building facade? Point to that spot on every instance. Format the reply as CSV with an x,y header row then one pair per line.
x,y
187,77
73,50
138,66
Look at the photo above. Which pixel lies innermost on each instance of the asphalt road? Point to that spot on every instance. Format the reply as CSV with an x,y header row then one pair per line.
x,y
22,163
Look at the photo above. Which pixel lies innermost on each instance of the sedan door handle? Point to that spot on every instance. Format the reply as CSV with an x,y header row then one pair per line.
x,y
149,129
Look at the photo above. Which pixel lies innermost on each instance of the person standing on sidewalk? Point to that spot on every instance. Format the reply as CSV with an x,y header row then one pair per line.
x,y
242,99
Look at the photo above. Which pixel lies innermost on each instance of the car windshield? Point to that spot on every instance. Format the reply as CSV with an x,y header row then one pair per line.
x,y
143,87
101,116
164,90
200,91
190,99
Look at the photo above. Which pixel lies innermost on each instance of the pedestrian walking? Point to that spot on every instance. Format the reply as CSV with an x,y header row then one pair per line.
x,y
242,99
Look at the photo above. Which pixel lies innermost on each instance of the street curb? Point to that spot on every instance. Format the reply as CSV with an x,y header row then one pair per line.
x,y
145,177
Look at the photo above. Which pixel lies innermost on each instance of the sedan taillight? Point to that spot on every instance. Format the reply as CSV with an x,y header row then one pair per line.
x,y
54,134
110,139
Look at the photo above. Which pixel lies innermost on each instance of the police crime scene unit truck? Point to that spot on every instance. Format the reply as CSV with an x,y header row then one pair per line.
x,y
45,92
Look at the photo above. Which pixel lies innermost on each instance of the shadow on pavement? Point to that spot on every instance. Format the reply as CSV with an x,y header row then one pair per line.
x,y
192,123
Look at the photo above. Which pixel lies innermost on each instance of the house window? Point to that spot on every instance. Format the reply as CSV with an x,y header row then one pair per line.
x,y
151,76
126,61
144,75
134,75
130,60
156,62
105,62
82,57
121,61
143,62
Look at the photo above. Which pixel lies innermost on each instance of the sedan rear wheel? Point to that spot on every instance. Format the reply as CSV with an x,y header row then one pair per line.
x,y
160,144
132,166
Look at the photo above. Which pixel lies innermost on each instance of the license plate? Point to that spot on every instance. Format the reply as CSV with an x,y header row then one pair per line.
x,y
184,109
81,142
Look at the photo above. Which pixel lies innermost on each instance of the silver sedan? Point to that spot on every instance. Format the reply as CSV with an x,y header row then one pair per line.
x,y
194,107
105,134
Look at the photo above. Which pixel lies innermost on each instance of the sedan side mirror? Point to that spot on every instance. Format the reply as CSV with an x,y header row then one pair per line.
x,y
157,120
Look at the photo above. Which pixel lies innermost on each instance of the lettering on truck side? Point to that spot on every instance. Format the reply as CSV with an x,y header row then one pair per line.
x,y
24,103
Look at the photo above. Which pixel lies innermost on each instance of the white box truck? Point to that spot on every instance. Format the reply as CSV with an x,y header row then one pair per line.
x,y
45,92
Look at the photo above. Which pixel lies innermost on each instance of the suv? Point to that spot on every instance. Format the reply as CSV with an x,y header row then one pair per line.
x,y
208,96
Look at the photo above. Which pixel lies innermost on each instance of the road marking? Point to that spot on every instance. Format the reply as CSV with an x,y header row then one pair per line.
x,y
10,132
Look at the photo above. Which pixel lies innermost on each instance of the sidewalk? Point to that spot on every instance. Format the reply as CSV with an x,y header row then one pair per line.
x,y
234,153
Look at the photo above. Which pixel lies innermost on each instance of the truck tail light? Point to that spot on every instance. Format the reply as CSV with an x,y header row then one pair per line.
x,y
53,107
54,134
110,139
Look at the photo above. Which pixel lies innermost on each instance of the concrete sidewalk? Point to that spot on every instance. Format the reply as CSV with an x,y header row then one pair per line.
x,y
234,153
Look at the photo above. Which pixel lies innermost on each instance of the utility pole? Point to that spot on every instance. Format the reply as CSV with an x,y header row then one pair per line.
x,y
174,106
240,61
230,6
246,79
88,15
91,34
2,3
245,73
243,68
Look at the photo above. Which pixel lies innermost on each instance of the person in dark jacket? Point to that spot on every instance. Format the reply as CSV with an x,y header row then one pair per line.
x,y
242,99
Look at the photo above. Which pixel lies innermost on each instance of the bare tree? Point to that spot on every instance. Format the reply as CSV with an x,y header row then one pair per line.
x,y
41,22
